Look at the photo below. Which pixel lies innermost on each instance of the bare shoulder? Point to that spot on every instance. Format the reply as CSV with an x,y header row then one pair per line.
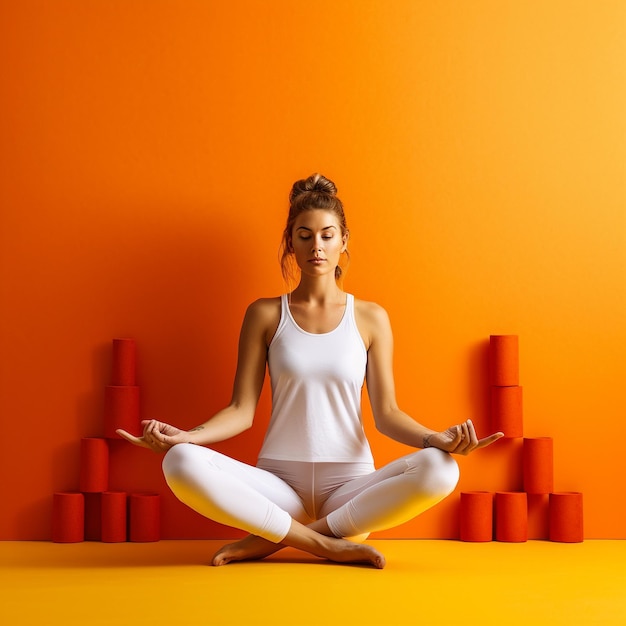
x,y
370,311
263,316
264,307
372,320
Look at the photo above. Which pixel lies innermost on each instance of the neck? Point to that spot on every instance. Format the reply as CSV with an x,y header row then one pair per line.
x,y
321,290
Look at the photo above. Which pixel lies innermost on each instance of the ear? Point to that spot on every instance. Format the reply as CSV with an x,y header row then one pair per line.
x,y
346,237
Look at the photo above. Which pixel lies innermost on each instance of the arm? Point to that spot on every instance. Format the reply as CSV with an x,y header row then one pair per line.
x,y
238,416
259,323
389,419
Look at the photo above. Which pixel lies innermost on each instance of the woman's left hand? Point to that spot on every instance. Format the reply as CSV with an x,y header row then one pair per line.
x,y
157,436
460,439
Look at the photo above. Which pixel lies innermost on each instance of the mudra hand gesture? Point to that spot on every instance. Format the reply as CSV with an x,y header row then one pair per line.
x,y
460,439
157,436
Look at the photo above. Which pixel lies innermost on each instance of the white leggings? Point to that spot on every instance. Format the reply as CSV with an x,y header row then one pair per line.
x,y
354,498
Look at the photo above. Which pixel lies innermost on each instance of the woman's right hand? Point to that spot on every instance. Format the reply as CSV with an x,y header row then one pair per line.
x,y
157,436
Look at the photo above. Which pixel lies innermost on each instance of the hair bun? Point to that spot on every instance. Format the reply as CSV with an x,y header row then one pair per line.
x,y
314,183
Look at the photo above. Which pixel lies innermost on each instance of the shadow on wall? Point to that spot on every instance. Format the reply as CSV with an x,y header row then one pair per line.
x,y
478,385
175,284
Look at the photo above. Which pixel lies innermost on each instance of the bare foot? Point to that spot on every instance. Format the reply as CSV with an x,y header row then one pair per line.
x,y
344,551
246,549
303,538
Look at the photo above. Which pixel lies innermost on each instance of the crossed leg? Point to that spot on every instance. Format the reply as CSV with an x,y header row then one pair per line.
x,y
249,498
252,499
390,496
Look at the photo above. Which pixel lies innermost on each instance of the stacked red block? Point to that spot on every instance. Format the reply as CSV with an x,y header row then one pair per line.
x,y
93,512
504,515
121,397
506,393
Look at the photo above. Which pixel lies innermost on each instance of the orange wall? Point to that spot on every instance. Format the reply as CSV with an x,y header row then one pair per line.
x,y
147,151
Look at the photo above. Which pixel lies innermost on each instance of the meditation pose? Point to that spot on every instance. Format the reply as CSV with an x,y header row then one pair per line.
x,y
314,486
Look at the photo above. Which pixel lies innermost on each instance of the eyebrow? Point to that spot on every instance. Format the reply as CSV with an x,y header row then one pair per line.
x,y
310,230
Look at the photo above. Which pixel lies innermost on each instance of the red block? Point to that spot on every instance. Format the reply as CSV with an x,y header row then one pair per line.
x,y
511,517
68,517
121,410
124,365
538,465
506,411
145,517
566,517
476,516
94,465
114,517
504,360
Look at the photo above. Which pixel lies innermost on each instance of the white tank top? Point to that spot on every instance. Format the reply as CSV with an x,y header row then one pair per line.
x,y
317,380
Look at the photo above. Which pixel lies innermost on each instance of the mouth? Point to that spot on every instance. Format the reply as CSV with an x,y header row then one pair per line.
x,y
317,261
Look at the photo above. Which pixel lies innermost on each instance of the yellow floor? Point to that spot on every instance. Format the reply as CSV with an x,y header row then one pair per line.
x,y
425,582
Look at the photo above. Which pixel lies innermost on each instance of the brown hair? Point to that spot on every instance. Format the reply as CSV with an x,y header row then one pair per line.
x,y
314,192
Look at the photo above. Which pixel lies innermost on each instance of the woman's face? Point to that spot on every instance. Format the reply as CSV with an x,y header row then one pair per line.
x,y
317,241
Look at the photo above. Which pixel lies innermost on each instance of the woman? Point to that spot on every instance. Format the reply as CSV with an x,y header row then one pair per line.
x,y
315,486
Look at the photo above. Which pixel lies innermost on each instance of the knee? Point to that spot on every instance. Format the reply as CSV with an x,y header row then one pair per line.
x,y
440,470
177,461
444,469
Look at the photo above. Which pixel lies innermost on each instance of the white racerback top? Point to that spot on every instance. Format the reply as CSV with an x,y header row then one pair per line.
x,y
317,380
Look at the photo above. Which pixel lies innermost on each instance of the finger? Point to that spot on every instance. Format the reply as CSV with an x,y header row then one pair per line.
x,y
470,440
155,430
487,441
453,438
138,441
160,446
465,439
152,435
473,438
160,438
455,445
159,432
458,437
462,440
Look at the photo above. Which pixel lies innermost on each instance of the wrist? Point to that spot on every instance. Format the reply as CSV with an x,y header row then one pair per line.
x,y
426,440
193,435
